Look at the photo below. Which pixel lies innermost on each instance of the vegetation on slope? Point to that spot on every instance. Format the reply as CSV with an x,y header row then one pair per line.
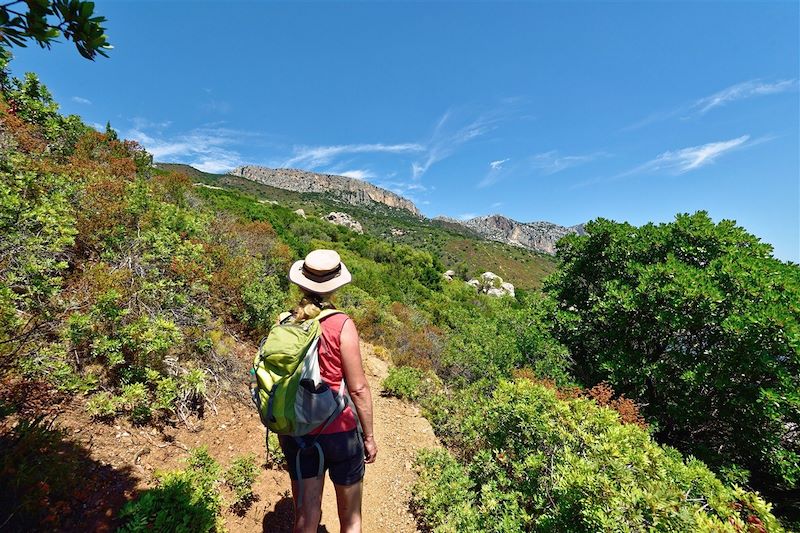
x,y
457,247
125,285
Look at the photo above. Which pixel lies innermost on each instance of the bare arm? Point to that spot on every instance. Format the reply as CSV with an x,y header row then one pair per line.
x,y
357,385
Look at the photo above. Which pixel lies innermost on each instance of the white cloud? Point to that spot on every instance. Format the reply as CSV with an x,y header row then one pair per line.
x,y
740,91
81,100
358,174
312,157
447,138
497,165
686,159
208,149
690,158
552,162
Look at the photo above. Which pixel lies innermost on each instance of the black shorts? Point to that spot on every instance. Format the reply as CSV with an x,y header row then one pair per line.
x,y
343,456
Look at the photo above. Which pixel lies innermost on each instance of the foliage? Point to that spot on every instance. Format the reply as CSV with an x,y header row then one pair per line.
x,y
700,324
537,463
409,383
44,21
240,478
185,500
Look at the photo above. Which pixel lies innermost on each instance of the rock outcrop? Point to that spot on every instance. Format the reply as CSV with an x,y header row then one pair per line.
x,y
343,219
539,236
492,284
349,190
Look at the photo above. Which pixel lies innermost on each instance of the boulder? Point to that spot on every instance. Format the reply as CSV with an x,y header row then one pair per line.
x,y
449,275
300,212
492,285
343,219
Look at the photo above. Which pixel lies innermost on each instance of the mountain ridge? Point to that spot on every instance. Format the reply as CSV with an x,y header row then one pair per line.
x,y
540,235
352,190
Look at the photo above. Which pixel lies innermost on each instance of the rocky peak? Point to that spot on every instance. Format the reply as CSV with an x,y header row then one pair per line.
x,y
540,236
349,190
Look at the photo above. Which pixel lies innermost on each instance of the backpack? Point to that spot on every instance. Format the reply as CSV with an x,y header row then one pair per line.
x,y
288,391
286,386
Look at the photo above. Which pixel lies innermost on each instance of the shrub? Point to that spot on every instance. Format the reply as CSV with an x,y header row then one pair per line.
x,y
184,500
409,383
697,322
542,464
103,405
240,478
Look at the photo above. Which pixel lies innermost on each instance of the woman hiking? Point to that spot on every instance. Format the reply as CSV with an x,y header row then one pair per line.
x,y
344,451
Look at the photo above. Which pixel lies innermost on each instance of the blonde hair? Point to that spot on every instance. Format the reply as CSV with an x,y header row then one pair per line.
x,y
311,305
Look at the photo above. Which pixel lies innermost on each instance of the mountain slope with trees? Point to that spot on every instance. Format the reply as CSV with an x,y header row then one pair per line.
x,y
128,289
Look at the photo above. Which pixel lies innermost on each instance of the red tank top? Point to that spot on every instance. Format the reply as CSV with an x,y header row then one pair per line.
x,y
330,367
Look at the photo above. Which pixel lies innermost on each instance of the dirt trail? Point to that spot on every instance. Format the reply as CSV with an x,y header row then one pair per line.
x,y
234,429
400,432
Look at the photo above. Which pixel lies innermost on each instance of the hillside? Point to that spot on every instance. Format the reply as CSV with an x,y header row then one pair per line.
x,y
457,246
351,190
652,384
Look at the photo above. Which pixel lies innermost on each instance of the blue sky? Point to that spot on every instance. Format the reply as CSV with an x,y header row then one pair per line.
x,y
561,112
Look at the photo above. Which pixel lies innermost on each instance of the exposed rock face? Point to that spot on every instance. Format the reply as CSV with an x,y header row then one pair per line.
x,y
539,236
352,191
343,219
492,284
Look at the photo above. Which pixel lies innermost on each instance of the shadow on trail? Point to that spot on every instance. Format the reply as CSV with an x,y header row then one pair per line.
x,y
281,518
49,482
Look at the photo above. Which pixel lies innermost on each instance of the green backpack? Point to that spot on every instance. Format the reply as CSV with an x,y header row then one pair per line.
x,y
286,386
288,390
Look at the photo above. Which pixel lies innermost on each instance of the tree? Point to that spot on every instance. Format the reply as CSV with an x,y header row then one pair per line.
x,y
44,21
699,323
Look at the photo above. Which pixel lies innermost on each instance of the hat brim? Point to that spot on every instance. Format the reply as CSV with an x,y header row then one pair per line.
x,y
297,277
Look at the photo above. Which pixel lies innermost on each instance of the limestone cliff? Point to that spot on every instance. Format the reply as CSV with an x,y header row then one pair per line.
x,y
539,236
349,190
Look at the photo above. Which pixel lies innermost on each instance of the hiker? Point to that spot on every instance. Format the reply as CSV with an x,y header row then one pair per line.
x,y
345,441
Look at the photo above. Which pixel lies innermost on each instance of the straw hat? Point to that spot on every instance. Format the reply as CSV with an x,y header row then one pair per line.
x,y
321,272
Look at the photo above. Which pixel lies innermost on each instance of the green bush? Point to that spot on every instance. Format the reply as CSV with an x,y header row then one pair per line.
x,y
538,463
103,405
409,383
698,323
240,478
184,501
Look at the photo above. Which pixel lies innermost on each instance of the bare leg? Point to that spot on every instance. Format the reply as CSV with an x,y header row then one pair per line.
x,y
348,500
307,517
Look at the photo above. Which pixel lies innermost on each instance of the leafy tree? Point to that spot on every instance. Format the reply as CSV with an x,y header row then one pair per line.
x,y
44,21
699,323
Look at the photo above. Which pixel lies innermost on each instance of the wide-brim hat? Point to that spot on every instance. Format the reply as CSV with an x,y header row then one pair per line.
x,y
321,272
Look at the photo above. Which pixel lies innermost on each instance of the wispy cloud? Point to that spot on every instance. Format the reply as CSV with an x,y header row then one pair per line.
x,y
359,174
739,91
497,165
496,172
81,100
209,149
683,160
552,162
450,133
311,157
693,157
